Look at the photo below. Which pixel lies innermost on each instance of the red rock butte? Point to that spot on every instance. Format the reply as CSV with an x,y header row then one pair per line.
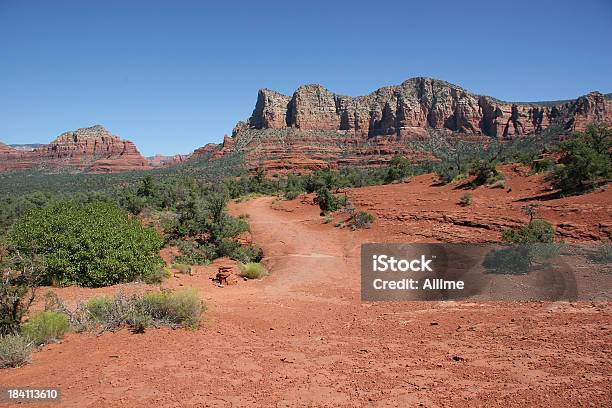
x,y
92,149
316,128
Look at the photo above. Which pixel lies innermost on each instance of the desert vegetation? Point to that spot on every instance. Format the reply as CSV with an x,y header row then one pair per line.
x,y
91,244
98,231
152,309
253,270
534,242
585,160
362,219
465,200
165,308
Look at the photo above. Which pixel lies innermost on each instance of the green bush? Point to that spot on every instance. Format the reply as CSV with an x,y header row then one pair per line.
x,y
448,174
362,219
399,168
602,254
253,270
181,308
484,172
93,244
538,231
327,201
182,268
157,276
15,350
513,260
194,253
46,327
108,312
465,200
139,322
585,161
543,165
291,194
172,308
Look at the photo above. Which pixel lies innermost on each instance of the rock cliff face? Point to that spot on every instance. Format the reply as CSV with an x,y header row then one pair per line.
x,y
92,149
420,103
315,127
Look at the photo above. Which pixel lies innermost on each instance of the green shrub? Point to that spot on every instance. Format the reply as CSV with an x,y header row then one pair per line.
x,y
514,260
327,201
527,158
538,231
253,270
543,165
291,195
15,350
93,244
484,172
246,253
399,168
448,174
108,312
585,161
602,254
156,277
465,200
182,268
362,219
139,322
46,327
181,308
194,253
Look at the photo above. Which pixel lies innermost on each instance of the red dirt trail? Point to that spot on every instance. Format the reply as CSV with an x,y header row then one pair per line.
x,y
301,337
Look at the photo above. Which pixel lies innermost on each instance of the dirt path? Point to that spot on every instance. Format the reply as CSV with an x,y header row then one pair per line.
x,y
301,337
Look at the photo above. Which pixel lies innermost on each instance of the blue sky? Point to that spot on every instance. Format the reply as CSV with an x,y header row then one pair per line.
x,y
174,75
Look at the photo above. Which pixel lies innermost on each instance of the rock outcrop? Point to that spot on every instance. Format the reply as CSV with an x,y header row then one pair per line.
x,y
317,128
420,103
92,149
160,160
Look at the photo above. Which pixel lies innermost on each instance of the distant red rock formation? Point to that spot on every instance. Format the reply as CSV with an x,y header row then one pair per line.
x,y
92,149
160,160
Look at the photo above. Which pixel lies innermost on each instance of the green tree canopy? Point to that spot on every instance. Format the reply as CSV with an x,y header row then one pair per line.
x,y
92,244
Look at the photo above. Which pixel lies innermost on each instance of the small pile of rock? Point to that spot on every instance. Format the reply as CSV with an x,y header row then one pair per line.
x,y
225,276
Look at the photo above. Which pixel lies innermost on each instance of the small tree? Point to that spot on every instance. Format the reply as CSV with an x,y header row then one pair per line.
x,y
399,168
326,200
19,279
586,161
532,211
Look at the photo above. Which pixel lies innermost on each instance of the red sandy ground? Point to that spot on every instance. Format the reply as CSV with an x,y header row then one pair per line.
x,y
302,337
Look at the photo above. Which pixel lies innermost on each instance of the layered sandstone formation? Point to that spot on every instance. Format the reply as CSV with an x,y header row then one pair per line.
x,y
160,160
92,149
315,128
418,104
